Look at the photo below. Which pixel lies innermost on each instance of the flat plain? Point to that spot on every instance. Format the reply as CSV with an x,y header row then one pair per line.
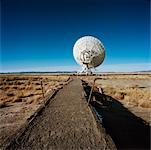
x,y
131,90
22,95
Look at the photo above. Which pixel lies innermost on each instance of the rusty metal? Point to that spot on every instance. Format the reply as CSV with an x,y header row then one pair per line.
x,y
90,95
42,89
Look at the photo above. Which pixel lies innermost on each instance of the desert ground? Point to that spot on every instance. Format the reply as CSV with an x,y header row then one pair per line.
x,y
23,94
132,90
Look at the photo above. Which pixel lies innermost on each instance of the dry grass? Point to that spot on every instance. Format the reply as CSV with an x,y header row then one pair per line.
x,y
131,90
20,96
25,88
132,96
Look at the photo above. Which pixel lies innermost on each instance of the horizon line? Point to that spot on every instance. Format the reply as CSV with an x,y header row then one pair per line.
x,y
133,67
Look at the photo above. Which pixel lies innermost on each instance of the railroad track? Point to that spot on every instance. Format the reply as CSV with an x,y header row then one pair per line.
x,y
64,121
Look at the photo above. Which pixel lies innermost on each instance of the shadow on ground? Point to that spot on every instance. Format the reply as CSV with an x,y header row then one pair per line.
x,y
127,130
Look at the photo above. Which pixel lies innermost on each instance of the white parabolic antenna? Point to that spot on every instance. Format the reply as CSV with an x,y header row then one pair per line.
x,y
88,52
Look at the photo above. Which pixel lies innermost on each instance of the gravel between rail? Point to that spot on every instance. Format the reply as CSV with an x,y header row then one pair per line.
x,y
66,122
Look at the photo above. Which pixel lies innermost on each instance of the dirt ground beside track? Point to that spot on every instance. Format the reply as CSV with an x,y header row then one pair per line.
x,y
65,123
21,95
132,90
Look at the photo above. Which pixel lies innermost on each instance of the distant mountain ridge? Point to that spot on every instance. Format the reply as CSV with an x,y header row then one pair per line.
x,y
66,72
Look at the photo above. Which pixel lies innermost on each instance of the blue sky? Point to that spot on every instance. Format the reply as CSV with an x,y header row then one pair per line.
x,y
38,35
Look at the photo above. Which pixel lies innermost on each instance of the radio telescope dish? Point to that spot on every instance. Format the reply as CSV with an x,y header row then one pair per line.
x,y
88,52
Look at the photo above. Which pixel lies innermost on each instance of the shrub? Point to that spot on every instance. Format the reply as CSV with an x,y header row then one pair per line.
x,y
37,83
10,94
18,100
15,87
2,104
38,88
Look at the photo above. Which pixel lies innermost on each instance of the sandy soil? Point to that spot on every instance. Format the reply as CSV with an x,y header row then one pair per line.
x,y
66,123
133,91
22,95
